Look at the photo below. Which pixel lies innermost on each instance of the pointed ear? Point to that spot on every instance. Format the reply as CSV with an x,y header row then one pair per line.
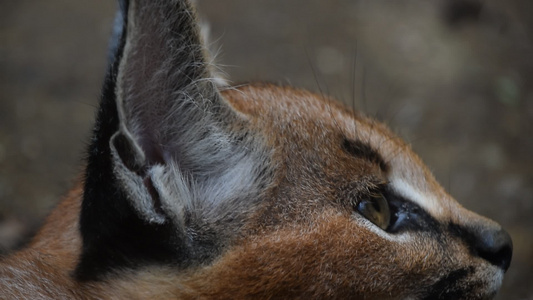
x,y
169,153
174,125
163,82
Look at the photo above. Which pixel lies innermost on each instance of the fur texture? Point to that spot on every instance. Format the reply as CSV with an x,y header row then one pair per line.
x,y
196,191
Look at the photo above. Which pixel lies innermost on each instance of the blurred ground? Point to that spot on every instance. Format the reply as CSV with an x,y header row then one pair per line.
x,y
454,78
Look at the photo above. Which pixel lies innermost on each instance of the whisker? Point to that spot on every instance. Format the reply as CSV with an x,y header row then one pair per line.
x,y
327,99
353,74
363,88
92,105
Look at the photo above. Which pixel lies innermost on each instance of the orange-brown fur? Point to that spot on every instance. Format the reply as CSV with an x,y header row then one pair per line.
x,y
289,249
249,192
44,267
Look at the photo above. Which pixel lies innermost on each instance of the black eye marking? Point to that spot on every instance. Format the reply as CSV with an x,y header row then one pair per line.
x,y
362,150
393,213
408,216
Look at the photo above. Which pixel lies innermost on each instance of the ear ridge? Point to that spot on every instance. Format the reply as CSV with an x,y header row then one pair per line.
x,y
130,174
165,62
172,170
183,137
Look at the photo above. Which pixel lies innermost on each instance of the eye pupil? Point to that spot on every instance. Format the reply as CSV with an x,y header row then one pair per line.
x,y
376,207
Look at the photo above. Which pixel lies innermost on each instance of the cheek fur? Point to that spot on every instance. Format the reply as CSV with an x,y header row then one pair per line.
x,y
323,260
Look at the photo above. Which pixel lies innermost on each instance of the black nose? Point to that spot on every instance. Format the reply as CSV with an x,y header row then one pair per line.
x,y
494,246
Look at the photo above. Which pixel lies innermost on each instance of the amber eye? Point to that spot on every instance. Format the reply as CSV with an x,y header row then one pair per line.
x,y
376,209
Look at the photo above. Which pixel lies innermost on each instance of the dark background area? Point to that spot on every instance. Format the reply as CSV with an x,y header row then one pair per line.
x,y
454,78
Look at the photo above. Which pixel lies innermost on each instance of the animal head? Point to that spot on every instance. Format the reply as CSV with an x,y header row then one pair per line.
x,y
199,190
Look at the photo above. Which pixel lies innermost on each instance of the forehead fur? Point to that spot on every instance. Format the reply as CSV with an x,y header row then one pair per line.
x,y
298,121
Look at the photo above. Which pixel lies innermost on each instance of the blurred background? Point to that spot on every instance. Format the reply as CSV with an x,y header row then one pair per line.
x,y
452,77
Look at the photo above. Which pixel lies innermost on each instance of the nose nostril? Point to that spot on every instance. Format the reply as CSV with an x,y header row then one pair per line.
x,y
500,258
495,246
491,244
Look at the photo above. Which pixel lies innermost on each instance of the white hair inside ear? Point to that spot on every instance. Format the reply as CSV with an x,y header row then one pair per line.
x,y
132,183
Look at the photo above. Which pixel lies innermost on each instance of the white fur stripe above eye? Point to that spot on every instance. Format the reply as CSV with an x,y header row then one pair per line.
x,y
428,202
